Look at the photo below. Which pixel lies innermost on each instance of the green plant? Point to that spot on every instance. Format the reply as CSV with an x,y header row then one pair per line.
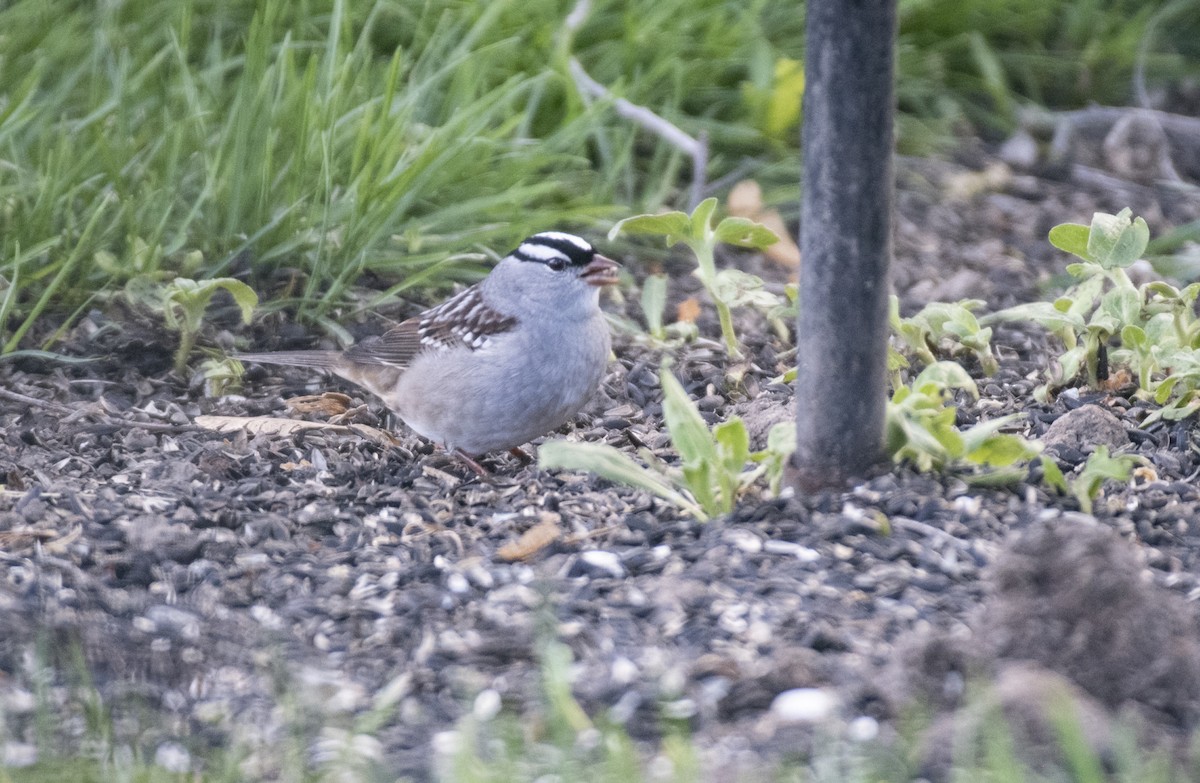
x,y
945,328
653,302
921,426
1154,325
1086,485
712,471
728,287
183,302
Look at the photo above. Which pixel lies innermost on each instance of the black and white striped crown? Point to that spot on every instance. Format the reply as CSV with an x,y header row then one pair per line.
x,y
556,250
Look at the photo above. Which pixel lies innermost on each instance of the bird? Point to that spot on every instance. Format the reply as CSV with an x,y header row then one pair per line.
x,y
502,362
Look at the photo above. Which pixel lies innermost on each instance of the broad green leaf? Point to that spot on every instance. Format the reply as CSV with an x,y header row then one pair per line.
x,y
985,444
744,232
1117,241
945,375
916,438
1084,295
1160,330
145,291
701,221
608,462
1123,304
675,226
739,289
1085,270
700,481
689,433
1100,463
242,294
1002,450
975,435
1043,313
942,427
733,445
1135,337
1166,290
1100,466
1070,362
1102,324
1053,475
1072,238
1181,409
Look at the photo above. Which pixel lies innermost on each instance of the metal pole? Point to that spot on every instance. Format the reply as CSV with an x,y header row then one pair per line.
x,y
845,239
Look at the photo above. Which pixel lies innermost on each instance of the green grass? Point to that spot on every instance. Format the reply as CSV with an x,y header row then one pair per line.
x,y
325,144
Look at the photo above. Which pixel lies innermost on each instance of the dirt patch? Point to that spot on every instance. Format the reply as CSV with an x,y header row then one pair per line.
x,y
207,579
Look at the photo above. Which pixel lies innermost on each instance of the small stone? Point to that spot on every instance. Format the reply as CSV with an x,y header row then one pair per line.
x,y
1086,426
864,728
457,583
18,754
173,757
802,553
446,743
19,701
744,540
680,709
1019,150
624,671
597,563
487,704
804,705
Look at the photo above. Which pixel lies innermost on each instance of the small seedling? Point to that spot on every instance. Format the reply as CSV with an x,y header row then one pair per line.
x,y
222,375
1100,467
728,288
712,471
943,328
1105,319
183,302
921,426
654,307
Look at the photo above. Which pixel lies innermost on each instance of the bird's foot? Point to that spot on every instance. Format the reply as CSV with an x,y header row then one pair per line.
x,y
479,470
521,455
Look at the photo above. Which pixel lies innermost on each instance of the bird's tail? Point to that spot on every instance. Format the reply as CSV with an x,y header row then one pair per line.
x,y
329,360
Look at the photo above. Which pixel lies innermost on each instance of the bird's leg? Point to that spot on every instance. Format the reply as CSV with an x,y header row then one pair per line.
x,y
521,455
480,470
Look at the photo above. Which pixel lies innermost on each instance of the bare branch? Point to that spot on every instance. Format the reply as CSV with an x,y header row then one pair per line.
x,y
696,148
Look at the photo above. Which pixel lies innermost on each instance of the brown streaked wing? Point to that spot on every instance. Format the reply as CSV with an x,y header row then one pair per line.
x,y
462,321
396,347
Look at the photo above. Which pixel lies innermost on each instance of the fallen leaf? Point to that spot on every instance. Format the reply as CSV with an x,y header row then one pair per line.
x,y
1145,474
533,540
327,404
688,310
274,425
1118,379
262,425
965,185
745,200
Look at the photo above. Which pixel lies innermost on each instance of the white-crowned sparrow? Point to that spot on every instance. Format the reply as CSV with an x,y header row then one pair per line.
x,y
508,359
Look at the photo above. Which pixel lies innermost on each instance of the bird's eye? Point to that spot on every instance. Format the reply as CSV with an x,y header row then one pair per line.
x,y
557,264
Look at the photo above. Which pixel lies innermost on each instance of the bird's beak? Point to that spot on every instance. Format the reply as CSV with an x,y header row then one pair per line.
x,y
601,271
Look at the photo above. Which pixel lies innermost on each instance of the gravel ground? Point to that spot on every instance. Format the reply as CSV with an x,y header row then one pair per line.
x,y
216,588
